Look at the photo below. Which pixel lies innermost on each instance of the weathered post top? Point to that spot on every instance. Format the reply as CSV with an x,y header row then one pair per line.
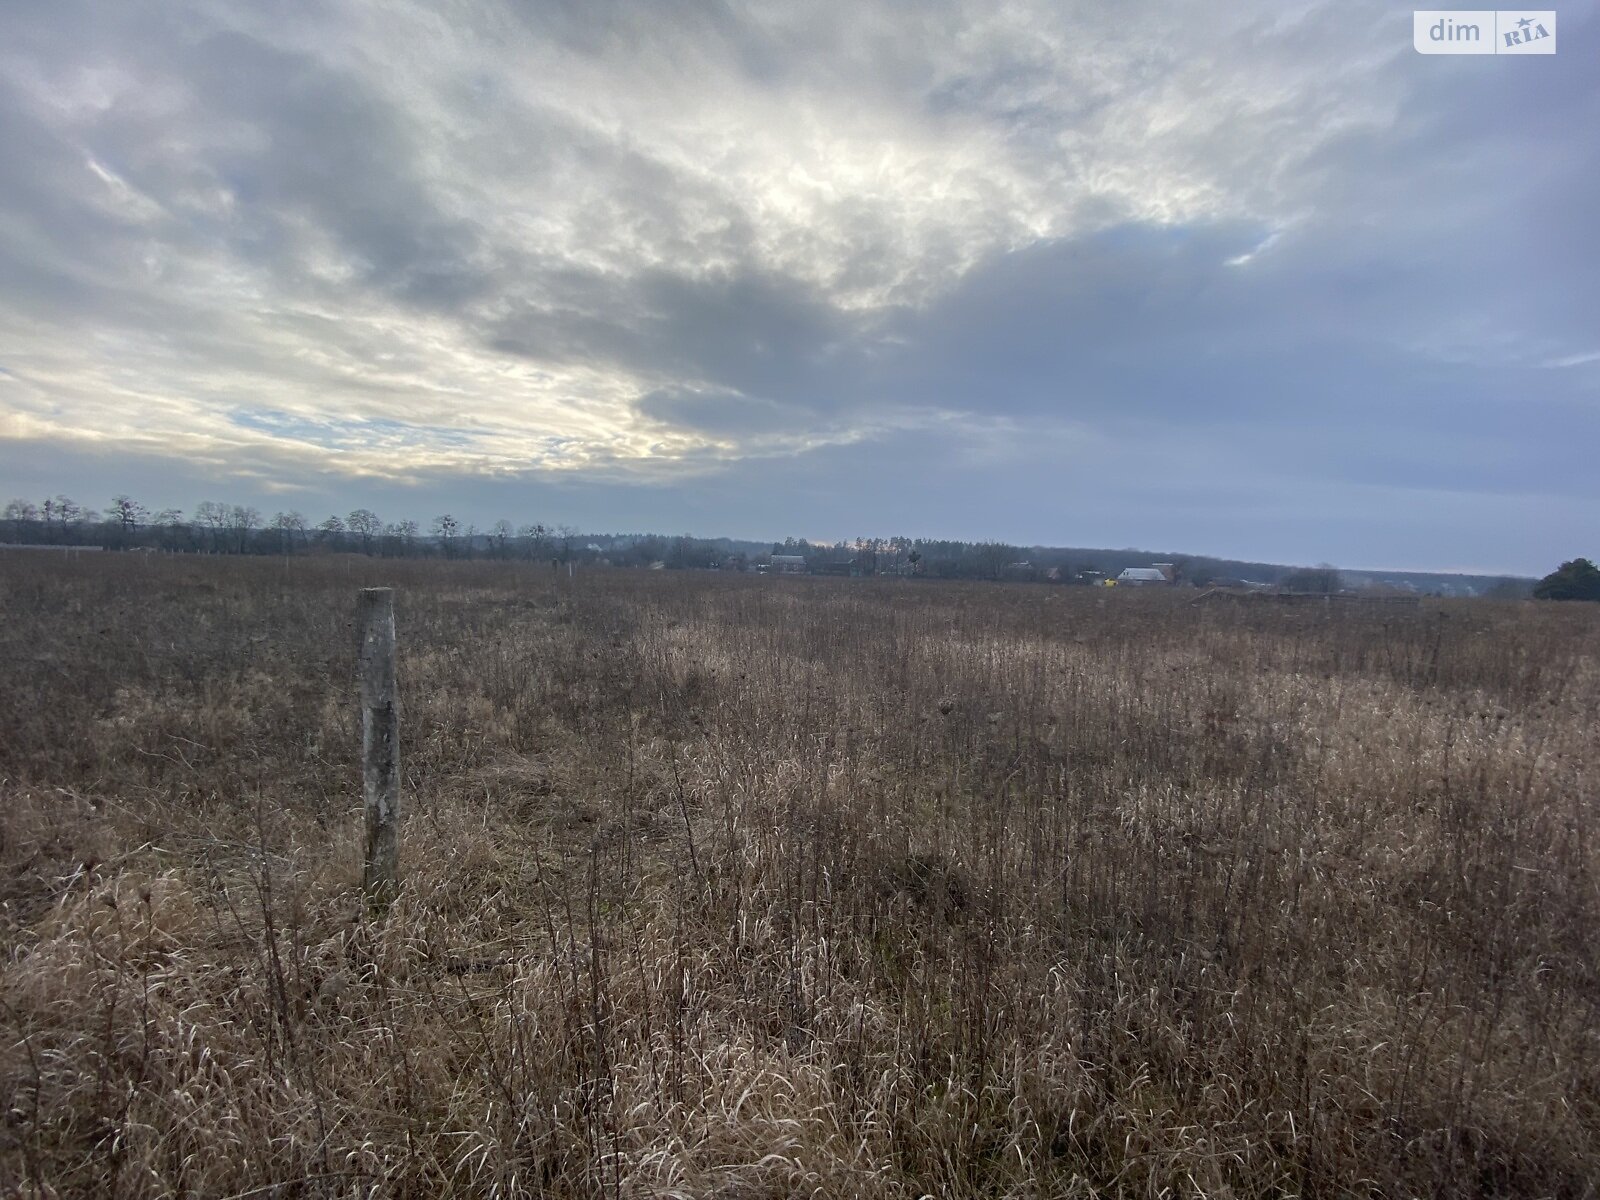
x,y
375,629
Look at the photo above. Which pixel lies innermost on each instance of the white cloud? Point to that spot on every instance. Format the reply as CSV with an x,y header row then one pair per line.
x,y
1574,360
869,155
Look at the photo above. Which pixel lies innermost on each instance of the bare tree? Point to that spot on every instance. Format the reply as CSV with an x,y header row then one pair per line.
x,y
289,524
1321,580
126,513
331,532
534,539
364,523
445,528
169,521
992,558
212,516
500,539
241,520
567,533
66,511
22,514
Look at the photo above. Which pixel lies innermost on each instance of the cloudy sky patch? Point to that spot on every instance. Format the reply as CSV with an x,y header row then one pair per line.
x,y
1257,281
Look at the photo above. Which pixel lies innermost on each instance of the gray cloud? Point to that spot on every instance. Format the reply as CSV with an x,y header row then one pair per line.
x,y
1255,280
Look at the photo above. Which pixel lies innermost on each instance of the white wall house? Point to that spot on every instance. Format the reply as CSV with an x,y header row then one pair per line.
x,y
1142,577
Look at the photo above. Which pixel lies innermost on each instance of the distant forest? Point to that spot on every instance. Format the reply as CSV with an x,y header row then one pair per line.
x,y
214,527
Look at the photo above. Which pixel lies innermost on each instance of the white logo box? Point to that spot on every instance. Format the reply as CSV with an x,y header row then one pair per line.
x,y
1483,31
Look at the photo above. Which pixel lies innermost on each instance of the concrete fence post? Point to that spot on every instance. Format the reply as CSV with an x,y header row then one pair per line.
x,y
380,746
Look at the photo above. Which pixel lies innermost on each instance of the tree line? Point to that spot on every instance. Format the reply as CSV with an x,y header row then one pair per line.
x,y
220,528
216,527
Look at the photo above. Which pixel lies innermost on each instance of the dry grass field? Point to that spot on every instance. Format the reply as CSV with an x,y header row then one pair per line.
x,y
742,887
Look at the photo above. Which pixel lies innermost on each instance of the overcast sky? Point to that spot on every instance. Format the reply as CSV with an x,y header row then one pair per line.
x,y
1251,279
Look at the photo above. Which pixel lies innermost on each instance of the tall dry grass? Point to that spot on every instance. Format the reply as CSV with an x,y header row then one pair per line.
x,y
723,886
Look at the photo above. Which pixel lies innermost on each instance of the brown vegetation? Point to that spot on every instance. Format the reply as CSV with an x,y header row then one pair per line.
x,y
770,888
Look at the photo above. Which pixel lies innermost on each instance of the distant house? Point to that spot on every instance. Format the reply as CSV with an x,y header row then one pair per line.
x,y
789,564
1143,577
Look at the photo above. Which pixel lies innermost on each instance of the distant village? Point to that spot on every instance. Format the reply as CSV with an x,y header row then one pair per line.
x,y
865,563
